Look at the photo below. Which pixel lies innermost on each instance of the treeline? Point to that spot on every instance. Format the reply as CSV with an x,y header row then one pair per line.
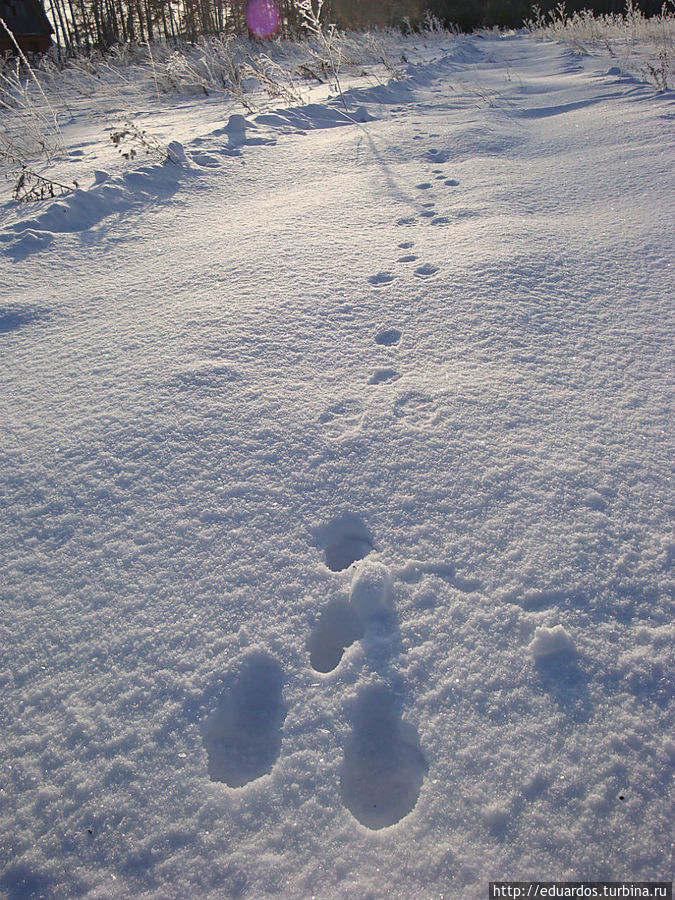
x,y
85,25
471,14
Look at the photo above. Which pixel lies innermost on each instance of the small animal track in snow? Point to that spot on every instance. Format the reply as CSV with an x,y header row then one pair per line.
x,y
414,570
406,220
380,376
203,375
428,213
344,540
406,245
11,319
451,182
381,279
242,736
424,186
426,271
342,417
437,156
415,408
388,337
383,767
408,258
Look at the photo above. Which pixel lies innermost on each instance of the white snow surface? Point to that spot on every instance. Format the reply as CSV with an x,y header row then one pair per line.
x,y
303,442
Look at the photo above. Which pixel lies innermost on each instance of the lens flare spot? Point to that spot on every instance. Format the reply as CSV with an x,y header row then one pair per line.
x,y
263,18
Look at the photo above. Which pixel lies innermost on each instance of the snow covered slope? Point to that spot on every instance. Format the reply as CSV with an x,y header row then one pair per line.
x,y
335,503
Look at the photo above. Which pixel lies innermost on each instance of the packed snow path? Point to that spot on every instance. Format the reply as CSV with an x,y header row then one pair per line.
x,y
334,499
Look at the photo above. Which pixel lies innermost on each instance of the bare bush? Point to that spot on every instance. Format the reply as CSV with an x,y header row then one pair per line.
x,y
644,46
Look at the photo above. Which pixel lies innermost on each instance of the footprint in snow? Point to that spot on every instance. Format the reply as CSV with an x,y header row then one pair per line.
x,y
426,271
381,279
388,337
337,628
383,767
414,408
13,318
408,258
380,376
427,214
406,245
342,621
343,540
437,156
440,175
342,418
424,186
208,375
242,736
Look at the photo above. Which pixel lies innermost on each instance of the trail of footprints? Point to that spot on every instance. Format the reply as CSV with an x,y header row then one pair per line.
x,y
383,766
429,213
428,209
414,409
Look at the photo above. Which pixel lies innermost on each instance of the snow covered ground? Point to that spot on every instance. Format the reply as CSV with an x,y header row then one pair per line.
x,y
397,383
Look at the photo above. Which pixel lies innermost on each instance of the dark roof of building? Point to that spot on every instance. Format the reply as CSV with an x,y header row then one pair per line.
x,y
24,17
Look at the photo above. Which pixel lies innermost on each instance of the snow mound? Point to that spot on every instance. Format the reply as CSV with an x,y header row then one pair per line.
x,y
371,590
551,642
83,209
